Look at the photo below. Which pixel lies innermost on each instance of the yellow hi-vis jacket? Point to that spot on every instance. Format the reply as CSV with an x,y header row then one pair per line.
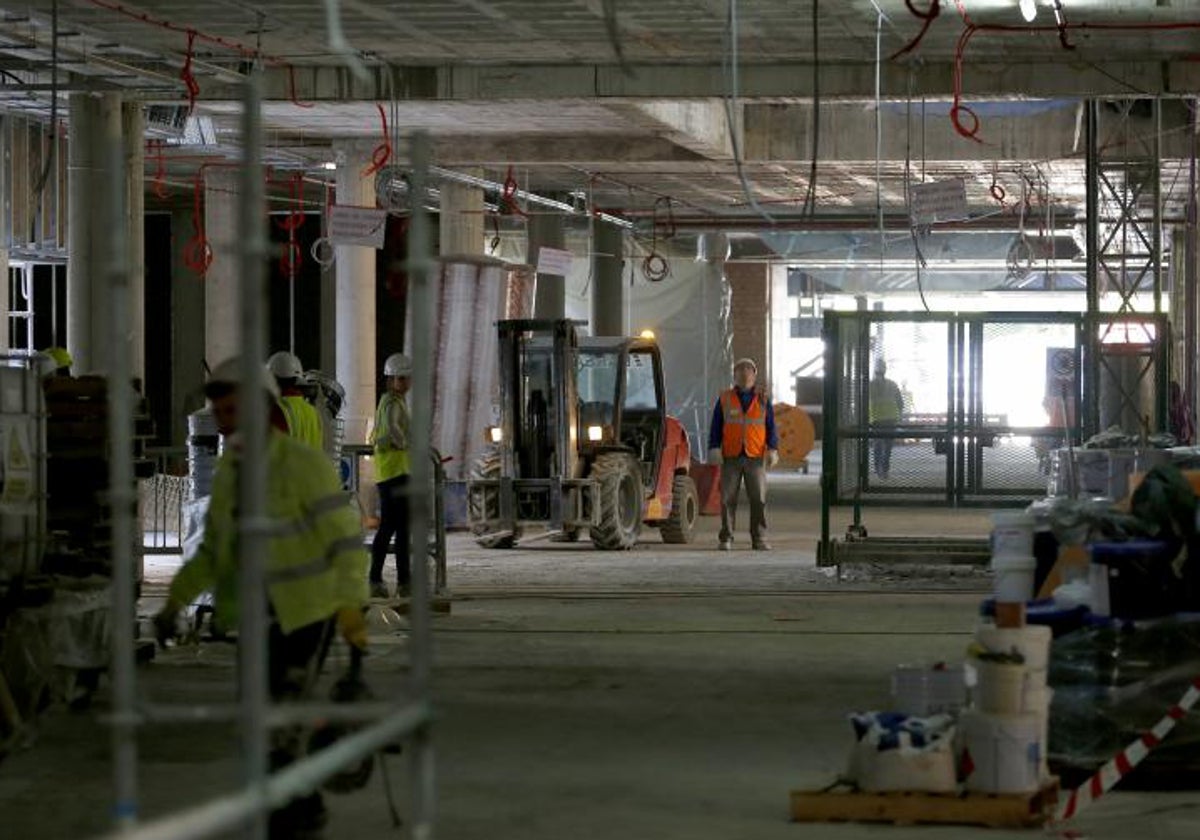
x,y
316,565
390,438
303,422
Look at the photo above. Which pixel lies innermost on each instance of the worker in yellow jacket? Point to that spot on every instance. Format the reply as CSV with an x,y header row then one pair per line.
x,y
314,569
298,414
390,439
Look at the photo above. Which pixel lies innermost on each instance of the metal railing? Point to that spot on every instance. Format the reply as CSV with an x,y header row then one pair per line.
x,y
409,718
164,497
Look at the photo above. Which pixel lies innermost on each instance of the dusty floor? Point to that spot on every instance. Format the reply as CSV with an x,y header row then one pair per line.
x,y
668,692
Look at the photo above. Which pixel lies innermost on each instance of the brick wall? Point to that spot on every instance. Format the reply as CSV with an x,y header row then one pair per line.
x,y
750,313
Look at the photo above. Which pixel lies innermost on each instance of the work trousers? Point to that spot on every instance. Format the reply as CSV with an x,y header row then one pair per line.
x,y
294,662
393,523
753,472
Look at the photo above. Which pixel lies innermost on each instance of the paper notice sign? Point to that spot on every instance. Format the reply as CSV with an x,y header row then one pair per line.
x,y
939,201
349,225
554,261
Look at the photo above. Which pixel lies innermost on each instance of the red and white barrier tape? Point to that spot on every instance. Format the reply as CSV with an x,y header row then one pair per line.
x,y
1122,765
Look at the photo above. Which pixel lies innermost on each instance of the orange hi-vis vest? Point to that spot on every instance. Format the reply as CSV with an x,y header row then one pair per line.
x,y
744,431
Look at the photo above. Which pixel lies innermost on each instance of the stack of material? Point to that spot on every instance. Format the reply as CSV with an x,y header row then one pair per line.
x,y
1005,736
77,470
22,480
204,447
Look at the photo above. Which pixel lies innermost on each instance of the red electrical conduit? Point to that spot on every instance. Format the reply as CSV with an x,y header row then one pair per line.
x,y
970,128
194,35
383,152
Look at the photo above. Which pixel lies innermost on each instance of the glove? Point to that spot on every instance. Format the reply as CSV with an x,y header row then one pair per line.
x,y
166,624
715,457
353,627
772,457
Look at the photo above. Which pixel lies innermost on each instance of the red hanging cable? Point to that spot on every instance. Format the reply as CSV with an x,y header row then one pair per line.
x,y
186,74
196,34
928,16
197,254
508,198
383,152
160,170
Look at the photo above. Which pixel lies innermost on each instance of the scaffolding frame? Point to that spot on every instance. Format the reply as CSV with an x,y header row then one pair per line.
x,y
409,718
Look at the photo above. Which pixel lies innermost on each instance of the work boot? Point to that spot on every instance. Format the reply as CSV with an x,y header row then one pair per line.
x,y
762,545
379,590
726,545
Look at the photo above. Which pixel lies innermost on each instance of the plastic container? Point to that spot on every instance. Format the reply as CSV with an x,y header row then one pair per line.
x,y
1014,578
1032,642
1006,752
922,691
1012,534
1001,688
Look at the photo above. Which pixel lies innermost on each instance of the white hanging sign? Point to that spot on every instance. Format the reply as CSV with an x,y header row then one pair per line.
x,y
554,261
939,201
349,225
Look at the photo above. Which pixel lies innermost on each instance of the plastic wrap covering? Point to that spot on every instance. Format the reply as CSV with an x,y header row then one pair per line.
x,y
43,646
22,472
204,447
472,296
1112,683
689,312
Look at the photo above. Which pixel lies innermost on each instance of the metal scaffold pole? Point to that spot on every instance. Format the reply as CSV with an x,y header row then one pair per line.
x,y
121,494
254,525
420,618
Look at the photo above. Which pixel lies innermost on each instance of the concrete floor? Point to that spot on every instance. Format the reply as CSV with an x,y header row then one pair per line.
x,y
667,692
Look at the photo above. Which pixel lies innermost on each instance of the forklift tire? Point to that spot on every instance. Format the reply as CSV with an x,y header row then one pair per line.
x,y
680,526
620,490
487,466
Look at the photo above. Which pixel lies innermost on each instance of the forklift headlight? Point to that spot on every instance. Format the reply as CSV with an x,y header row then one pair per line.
x,y
595,434
495,434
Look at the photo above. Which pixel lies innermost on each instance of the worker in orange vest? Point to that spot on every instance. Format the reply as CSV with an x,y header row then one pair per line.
x,y
743,441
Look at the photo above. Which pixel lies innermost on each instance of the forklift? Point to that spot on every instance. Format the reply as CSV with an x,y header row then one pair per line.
x,y
584,443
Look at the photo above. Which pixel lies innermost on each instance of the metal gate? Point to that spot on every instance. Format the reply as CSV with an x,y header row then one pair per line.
x,y
970,406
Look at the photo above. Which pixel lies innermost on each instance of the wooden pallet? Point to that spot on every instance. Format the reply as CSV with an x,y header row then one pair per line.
x,y
988,810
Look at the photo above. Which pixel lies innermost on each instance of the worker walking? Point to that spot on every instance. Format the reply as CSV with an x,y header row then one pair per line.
x,y
885,408
314,568
390,439
742,439
298,414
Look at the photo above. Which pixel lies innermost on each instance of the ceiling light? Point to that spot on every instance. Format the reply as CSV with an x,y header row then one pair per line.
x,y
1028,10
329,166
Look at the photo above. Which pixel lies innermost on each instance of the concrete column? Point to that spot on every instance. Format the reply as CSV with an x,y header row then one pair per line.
x,y
461,219
547,230
95,123
133,128
751,313
5,225
354,304
608,283
187,329
222,331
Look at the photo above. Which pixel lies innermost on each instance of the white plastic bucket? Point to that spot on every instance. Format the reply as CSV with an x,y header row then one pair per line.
x,y
1000,688
1006,751
1014,579
1031,641
1012,534
922,691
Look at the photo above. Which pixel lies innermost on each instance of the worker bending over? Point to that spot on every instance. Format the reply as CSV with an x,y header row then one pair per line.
x,y
298,414
314,568
743,441
390,439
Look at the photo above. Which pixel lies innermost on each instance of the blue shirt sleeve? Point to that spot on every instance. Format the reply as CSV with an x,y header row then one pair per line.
x,y
716,429
772,437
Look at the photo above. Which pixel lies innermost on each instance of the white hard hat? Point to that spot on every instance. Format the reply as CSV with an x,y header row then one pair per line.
x,y
740,363
397,364
284,365
229,372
